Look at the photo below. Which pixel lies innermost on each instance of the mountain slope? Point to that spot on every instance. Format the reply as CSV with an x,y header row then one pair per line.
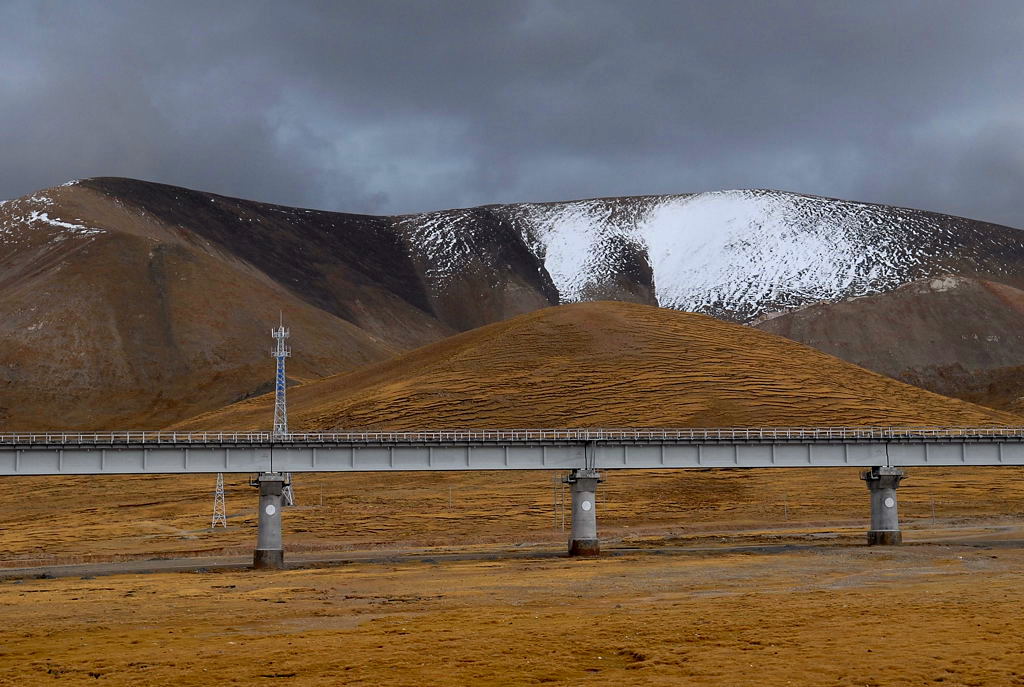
x,y
953,335
121,320
356,267
130,304
607,364
734,254
136,304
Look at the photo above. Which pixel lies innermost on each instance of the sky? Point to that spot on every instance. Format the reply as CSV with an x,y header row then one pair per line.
x,y
391,106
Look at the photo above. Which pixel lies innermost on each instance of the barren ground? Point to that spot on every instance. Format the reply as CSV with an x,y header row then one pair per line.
x,y
814,607
825,615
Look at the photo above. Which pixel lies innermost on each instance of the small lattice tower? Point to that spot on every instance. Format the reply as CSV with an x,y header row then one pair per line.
x,y
280,353
220,510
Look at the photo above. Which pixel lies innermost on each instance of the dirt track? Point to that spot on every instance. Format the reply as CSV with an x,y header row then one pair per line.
x,y
775,540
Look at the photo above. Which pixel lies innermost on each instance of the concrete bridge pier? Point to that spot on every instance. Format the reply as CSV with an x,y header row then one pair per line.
x,y
583,484
885,520
269,553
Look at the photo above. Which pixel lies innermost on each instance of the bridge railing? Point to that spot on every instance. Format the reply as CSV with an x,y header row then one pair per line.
x,y
725,434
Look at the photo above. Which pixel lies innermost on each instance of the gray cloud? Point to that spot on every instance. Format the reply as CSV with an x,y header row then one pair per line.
x,y
392,106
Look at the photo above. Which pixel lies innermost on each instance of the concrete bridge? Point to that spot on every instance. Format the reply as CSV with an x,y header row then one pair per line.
x,y
884,451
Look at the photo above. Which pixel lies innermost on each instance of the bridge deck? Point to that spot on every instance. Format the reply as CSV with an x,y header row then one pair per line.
x,y
78,453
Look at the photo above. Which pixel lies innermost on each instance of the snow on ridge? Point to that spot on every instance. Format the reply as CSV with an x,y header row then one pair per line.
x,y
736,250
22,213
741,253
443,239
580,242
80,229
745,252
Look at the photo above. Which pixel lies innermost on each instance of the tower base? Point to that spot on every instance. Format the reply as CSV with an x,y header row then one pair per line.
x,y
585,547
268,559
884,537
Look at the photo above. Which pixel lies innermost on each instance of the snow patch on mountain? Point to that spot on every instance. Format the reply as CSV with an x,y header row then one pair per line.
x,y
738,254
443,239
80,229
946,283
21,213
742,252
581,242
735,250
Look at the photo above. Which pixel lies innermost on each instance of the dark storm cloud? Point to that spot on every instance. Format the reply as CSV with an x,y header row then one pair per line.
x,y
405,106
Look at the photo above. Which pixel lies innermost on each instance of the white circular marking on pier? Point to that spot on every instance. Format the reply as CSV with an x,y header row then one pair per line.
x,y
890,502
271,509
586,505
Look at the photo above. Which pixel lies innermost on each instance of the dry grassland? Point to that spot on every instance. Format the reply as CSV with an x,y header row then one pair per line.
x,y
610,364
821,616
824,615
607,364
86,519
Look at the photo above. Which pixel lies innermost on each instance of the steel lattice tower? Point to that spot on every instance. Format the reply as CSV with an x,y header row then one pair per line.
x,y
280,353
220,511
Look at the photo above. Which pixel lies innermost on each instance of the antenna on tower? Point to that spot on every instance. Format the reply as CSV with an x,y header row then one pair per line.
x,y
280,353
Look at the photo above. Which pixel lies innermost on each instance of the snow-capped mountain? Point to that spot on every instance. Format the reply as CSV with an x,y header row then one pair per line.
x,y
121,298
735,254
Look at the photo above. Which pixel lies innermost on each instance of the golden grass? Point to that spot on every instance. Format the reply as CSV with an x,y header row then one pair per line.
x,y
87,519
612,365
825,616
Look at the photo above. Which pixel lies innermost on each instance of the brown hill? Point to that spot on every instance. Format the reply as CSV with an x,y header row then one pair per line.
x,y
953,335
607,364
131,304
115,317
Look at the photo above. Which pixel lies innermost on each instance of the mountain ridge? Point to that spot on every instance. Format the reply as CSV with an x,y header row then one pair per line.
x,y
124,294
700,252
